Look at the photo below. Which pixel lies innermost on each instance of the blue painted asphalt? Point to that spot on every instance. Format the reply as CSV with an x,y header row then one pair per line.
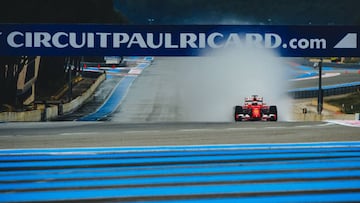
x,y
308,71
147,149
171,160
191,190
113,102
107,155
117,95
312,69
316,198
128,171
306,75
180,179
304,172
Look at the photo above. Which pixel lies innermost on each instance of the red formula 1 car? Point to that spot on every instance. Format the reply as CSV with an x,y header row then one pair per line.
x,y
255,110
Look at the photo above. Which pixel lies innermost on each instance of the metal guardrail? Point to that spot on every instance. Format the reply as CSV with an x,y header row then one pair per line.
x,y
350,109
330,90
85,64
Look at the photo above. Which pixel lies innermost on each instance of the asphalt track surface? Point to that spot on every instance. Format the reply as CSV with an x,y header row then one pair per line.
x,y
113,134
163,158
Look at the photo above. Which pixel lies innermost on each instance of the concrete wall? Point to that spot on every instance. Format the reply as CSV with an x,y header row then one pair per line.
x,y
21,116
51,112
327,106
78,101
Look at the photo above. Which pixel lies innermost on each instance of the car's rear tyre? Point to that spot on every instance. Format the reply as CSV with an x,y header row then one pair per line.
x,y
238,110
273,111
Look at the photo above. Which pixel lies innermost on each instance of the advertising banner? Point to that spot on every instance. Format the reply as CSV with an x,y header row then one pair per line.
x,y
175,40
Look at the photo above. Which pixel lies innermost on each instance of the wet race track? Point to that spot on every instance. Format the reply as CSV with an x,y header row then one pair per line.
x,y
162,142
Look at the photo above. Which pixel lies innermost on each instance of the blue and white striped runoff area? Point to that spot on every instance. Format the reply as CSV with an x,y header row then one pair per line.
x,y
303,172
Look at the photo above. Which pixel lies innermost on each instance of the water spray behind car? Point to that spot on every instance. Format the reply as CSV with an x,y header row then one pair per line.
x,y
214,85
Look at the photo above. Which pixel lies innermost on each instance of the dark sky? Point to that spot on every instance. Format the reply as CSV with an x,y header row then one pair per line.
x,y
58,11
276,12
324,12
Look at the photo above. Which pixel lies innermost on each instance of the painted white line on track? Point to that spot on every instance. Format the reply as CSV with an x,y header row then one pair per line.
x,y
196,130
253,145
73,153
175,148
238,129
325,124
80,133
326,75
277,127
141,131
349,123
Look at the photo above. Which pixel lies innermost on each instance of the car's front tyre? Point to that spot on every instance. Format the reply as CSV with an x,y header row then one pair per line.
x,y
238,111
273,113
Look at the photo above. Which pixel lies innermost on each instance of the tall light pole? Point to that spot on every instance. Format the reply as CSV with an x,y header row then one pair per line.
x,y
320,90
